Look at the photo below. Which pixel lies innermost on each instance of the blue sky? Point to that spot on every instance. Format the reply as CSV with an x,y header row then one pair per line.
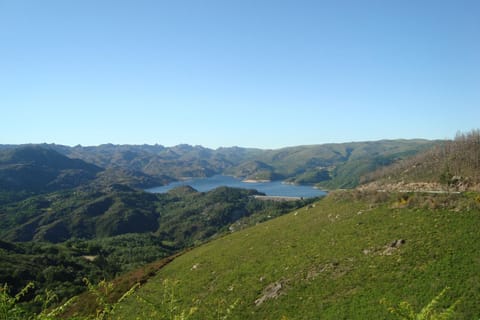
x,y
253,73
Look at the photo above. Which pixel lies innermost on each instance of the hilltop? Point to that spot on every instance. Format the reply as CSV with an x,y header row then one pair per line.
x,y
29,170
33,169
453,165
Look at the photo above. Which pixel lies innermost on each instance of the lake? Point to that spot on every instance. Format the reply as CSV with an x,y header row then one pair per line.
x,y
272,188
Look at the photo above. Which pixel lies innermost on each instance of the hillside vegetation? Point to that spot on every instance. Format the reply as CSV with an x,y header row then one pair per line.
x,y
223,255
452,165
29,170
56,239
328,165
336,259
181,217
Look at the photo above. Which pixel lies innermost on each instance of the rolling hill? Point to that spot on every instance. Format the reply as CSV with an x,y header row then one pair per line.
x,y
36,169
181,216
336,259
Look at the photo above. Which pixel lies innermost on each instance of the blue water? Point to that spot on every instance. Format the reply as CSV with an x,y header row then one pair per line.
x,y
273,188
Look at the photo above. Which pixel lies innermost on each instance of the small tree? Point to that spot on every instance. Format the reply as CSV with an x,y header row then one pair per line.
x,y
9,305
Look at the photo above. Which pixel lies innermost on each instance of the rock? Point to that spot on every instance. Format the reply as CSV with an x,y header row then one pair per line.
x,y
390,249
271,291
397,243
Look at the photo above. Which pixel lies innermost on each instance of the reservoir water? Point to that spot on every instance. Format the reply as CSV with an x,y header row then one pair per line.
x,y
271,188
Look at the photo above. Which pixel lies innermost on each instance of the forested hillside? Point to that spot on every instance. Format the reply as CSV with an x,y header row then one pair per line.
x,y
32,169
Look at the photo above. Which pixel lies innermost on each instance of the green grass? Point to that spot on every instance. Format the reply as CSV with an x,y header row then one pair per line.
x,y
331,263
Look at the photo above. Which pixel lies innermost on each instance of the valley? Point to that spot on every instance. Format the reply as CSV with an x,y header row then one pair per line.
x,y
270,188
398,234
329,166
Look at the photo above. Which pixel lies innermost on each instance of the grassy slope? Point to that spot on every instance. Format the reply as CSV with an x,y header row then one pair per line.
x,y
318,256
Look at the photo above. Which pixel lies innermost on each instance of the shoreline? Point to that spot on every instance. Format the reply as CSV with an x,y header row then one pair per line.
x,y
256,181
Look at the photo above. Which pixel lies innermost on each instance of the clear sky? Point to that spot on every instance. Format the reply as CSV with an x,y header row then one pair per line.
x,y
252,73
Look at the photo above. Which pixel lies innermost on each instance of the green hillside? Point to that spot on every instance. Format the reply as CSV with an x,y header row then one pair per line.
x,y
451,165
29,170
61,237
182,216
330,166
336,259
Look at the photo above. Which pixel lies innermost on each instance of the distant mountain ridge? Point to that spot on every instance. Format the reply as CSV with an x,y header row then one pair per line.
x,y
327,165
26,170
31,170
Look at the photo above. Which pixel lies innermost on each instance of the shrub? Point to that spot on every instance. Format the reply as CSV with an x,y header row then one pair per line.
x,y
432,311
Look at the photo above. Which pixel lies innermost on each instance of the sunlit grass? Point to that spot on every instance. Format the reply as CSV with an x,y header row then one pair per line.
x,y
332,261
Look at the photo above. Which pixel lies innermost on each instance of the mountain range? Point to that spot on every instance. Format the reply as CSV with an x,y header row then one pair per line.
x,y
328,165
